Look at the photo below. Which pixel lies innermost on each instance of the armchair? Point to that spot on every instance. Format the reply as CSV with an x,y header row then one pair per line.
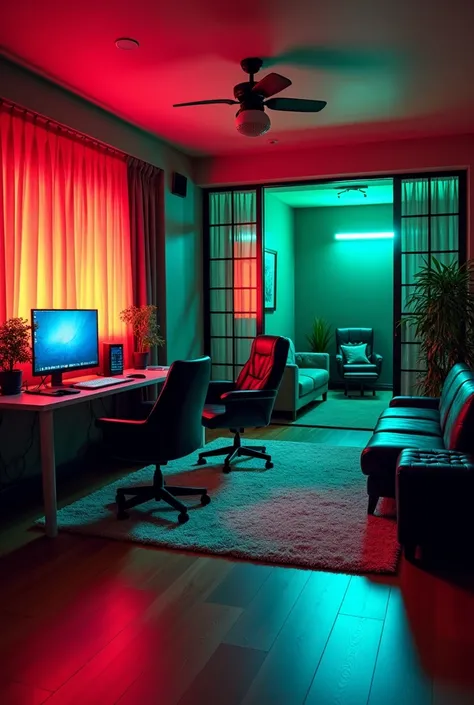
x,y
306,377
171,430
358,373
249,401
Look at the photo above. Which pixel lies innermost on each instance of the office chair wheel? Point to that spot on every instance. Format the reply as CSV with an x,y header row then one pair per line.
x,y
121,514
201,461
268,465
226,467
183,518
205,499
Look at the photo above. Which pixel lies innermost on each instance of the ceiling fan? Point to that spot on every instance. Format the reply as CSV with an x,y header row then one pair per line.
x,y
253,97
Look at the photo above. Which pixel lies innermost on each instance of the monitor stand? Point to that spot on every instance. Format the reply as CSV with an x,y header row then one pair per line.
x,y
56,381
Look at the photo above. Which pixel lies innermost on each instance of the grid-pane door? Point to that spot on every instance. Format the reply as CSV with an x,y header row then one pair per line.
x,y
429,222
233,264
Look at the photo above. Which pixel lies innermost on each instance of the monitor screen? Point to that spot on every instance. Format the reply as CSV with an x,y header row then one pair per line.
x,y
64,340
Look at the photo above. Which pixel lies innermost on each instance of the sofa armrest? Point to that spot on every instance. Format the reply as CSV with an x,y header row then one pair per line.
x,y
318,361
288,392
434,491
377,360
415,402
340,364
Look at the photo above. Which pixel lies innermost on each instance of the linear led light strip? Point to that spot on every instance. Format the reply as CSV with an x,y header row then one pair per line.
x,y
363,236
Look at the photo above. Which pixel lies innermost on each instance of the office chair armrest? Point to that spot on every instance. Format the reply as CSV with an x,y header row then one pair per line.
x,y
245,395
216,389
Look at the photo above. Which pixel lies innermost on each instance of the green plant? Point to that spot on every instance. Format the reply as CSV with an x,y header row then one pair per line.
x,y
144,323
442,314
319,336
15,347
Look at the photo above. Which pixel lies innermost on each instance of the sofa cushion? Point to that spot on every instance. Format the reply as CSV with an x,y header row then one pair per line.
x,y
355,354
381,452
424,427
320,377
305,384
399,412
360,368
459,427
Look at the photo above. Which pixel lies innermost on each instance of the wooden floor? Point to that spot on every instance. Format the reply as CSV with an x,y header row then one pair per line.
x,y
92,621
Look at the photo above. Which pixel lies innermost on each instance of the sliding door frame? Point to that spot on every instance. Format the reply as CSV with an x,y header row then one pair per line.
x,y
461,175
260,313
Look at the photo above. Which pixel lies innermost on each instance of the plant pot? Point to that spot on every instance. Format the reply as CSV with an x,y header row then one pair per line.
x,y
10,382
140,360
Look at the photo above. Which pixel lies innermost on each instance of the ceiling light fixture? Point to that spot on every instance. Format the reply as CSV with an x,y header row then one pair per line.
x,y
126,43
364,236
361,188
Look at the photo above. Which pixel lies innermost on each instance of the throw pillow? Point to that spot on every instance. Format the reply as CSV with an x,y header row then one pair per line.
x,y
355,354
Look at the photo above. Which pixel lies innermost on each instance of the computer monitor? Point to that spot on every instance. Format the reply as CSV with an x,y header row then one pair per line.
x,y
64,340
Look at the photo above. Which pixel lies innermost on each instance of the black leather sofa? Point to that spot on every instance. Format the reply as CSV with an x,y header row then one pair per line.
x,y
419,423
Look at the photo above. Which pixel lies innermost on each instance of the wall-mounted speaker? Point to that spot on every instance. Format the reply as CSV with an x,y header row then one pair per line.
x,y
179,185
112,359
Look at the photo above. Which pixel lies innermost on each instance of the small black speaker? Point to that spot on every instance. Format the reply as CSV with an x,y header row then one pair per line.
x,y
112,359
179,185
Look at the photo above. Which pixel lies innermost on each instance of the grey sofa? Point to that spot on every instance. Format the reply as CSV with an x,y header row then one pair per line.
x,y
305,379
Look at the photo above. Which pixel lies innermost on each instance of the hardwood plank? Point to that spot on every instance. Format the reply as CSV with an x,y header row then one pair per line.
x,y
227,675
398,663
288,670
451,694
144,642
166,679
260,623
241,585
345,671
60,646
366,598
12,693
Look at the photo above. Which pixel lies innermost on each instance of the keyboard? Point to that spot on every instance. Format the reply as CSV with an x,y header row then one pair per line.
x,y
100,382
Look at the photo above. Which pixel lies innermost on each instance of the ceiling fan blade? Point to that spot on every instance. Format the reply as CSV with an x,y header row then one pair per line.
x,y
226,101
296,105
271,84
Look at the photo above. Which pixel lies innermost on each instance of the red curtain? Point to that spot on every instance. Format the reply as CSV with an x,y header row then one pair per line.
x,y
64,224
145,184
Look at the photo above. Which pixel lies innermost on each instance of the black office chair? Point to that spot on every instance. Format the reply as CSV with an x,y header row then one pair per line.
x,y
249,401
171,430
358,374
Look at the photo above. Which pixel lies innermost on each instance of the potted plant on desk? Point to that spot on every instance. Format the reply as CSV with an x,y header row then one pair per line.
x,y
15,349
146,332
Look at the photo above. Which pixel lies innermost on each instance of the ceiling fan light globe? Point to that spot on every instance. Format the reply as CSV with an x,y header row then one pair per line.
x,y
252,123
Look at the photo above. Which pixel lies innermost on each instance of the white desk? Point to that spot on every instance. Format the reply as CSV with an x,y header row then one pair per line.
x,y
45,406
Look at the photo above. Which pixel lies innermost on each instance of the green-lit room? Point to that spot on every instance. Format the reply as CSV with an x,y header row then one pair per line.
x,y
328,266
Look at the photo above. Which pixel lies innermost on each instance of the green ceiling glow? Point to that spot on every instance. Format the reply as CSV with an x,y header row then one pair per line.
x,y
363,236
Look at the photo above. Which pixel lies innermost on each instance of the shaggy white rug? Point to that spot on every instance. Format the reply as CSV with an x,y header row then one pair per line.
x,y
309,510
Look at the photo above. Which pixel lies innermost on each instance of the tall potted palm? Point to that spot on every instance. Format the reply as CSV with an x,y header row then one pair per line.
x,y
146,332
15,349
442,316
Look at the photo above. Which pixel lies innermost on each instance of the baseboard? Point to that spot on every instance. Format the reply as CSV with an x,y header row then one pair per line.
x,y
336,386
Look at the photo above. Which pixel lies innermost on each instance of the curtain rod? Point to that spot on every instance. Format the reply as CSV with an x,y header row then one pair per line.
x,y
63,128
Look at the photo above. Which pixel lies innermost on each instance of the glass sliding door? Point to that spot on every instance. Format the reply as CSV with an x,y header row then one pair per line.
x,y
233,279
430,221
